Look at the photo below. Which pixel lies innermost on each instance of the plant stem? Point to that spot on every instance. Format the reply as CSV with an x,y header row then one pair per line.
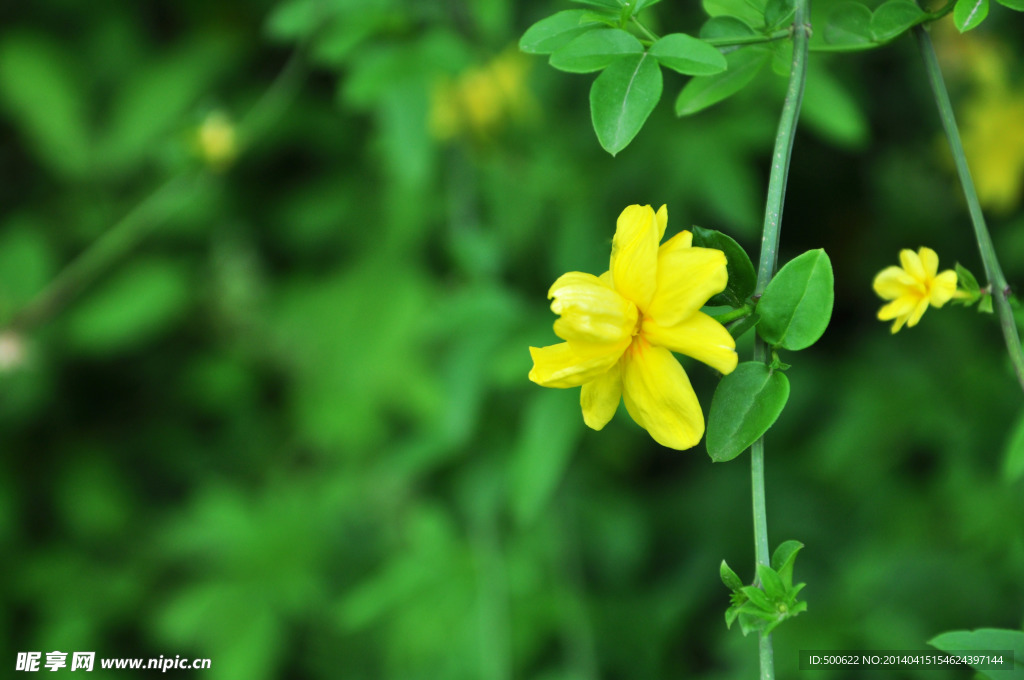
x,y
994,273
766,269
103,252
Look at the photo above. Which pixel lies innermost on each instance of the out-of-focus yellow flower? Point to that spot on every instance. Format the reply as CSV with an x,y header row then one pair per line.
x,y
993,136
621,328
482,99
992,124
217,141
913,286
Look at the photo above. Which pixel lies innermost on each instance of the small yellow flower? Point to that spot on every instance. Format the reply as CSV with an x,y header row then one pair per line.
x,y
913,286
217,141
482,99
621,328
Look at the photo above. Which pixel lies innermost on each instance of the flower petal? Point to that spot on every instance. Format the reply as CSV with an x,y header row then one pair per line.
x,y
918,312
943,288
911,263
600,398
661,219
687,277
929,262
893,282
591,312
901,306
698,336
560,366
659,397
634,258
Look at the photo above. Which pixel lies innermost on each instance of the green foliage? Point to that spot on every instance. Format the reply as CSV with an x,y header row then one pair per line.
x,y
985,639
287,426
762,608
688,55
554,32
700,93
796,306
742,277
746,404
595,50
622,98
968,14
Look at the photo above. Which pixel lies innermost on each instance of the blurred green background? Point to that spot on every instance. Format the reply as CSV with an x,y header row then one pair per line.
x,y
290,429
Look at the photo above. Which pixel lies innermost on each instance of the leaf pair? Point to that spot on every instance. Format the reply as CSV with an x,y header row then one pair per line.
x,y
793,313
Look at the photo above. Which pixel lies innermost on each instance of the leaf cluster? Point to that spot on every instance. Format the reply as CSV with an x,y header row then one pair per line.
x,y
771,599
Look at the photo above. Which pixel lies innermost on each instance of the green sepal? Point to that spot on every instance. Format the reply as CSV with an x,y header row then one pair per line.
x,y
985,305
967,280
784,558
729,577
770,581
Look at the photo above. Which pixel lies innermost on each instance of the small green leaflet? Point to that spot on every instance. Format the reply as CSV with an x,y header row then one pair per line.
x,y
969,14
705,91
622,98
747,402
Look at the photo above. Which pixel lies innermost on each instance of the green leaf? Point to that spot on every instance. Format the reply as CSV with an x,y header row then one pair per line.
x,y
642,5
609,4
595,50
742,277
747,402
830,110
848,23
688,55
778,12
758,598
1012,4
993,639
556,31
784,558
967,280
895,17
729,577
44,98
547,440
797,304
137,304
705,91
749,11
771,582
969,13
725,28
622,98
1013,456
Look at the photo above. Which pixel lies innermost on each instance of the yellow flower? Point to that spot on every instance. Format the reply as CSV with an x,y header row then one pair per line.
x,y
912,286
482,99
993,134
621,328
217,141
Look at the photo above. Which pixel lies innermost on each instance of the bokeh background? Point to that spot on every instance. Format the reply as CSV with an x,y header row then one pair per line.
x,y
278,416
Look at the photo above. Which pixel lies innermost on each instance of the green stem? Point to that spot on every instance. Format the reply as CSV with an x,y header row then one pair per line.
x,y
103,252
739,41
738,313
994,273
646,31
766,269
